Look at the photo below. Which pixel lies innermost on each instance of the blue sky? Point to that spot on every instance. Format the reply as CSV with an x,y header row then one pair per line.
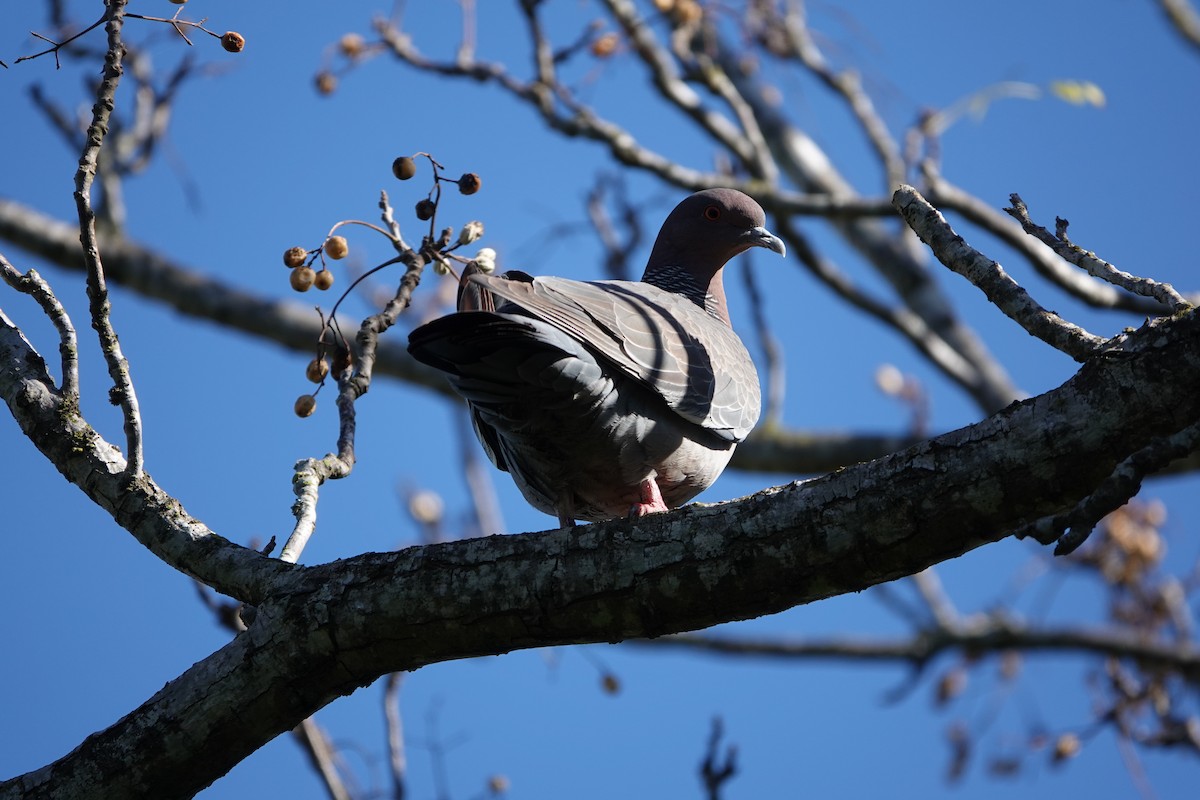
x,y
256,162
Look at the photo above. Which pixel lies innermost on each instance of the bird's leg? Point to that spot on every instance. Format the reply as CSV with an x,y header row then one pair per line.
x,y
566,511
652,501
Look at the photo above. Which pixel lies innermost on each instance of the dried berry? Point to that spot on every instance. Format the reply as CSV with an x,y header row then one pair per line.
x,y
336,247
302,278
425,506
294,257
326,83
343,359
469,183
306,404
316,370
351,45
323,279
178,2
233,41
404,168
1066,746
425,208
606,45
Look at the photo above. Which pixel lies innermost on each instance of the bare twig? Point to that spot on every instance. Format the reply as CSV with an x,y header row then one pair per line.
x,y
744,140
948,197
57,46
848,85
397,760
991,278
800,452
929,587
1184,19
1072,528
488,516
353,374
715,770
993,633
616,247
1059,243
563,114
893,257
776,370
324,756
32,283
118,367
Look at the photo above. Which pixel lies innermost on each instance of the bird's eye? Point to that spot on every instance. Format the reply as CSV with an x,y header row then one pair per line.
x,y
712,213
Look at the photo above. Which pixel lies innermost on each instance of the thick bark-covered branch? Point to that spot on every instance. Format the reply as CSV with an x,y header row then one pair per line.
x,y
323,631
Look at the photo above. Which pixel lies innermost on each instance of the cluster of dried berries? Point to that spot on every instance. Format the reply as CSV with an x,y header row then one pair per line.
x,y
303,276
405,167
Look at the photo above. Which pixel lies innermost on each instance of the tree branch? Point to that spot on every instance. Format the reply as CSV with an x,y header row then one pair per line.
x,y
97,290
991,278
1164,293
1183,19
323,631
995,634
948,197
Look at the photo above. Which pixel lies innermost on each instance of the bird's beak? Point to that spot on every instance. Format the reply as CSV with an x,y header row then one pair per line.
x,y
761,237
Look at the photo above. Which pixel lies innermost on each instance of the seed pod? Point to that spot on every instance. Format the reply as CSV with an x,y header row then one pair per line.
x,y
606,45
1066,746
469,183
302,278
323,279
404,168
317,369
425,209
305,405
336,247
294,257
233,41
351,45
343,359
326,83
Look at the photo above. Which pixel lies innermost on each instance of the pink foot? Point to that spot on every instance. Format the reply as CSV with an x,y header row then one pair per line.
x,y
651,502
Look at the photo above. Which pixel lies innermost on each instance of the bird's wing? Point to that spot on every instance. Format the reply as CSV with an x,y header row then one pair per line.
x,y
693,360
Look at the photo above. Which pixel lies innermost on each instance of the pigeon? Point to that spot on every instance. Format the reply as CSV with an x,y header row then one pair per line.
x,y
610,398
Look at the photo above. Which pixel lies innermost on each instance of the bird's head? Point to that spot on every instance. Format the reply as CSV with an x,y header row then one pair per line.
x,y
700,236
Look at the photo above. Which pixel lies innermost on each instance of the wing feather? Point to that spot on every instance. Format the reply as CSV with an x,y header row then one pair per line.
x,y
693,360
